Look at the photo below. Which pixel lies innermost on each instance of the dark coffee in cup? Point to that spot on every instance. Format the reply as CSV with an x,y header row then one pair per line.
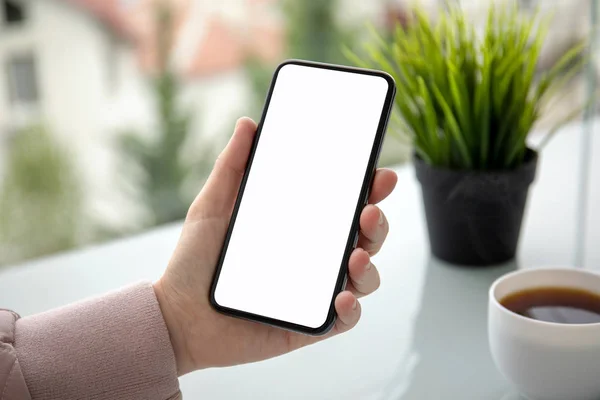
x,y
554,360
555,304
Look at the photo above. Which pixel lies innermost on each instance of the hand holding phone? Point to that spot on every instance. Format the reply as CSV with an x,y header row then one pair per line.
x,y
313,159
201,336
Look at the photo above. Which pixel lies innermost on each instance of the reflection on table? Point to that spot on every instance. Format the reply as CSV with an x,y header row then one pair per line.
x,y
422,335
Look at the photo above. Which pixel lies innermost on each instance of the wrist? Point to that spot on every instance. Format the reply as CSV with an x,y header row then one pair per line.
x,y
176,327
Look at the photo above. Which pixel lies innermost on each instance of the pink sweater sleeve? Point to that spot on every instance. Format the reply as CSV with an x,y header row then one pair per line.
x,y
111,347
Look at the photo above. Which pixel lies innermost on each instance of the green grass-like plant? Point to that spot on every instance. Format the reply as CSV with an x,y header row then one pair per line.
x,y
41,198
470,99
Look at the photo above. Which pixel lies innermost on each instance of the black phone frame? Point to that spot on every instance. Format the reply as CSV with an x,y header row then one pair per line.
x,y
362,202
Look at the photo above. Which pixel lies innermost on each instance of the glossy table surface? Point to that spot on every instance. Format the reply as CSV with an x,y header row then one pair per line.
x,y
422,335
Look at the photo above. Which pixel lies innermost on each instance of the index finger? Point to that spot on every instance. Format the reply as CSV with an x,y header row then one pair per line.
x,y
383,184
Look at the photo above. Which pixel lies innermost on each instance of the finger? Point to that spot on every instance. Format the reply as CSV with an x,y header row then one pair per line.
x,y
348,310
373,229
384,183
219,193
364,277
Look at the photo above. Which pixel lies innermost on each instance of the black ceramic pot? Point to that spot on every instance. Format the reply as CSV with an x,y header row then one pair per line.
x,y
474,217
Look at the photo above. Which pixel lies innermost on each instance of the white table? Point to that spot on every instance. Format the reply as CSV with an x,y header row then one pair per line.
x,y
422,335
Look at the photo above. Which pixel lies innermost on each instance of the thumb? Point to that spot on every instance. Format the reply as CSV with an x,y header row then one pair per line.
x,y
220,191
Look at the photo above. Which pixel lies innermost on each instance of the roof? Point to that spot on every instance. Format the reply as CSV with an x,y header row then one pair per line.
x,y
224,47
108,13
220,49
141,19
217,43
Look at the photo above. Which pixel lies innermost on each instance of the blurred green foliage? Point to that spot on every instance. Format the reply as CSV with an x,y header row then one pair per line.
x,y
41,203
163,171
470,102
313,32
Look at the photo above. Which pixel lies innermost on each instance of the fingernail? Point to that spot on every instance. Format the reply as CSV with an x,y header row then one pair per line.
x,y
368,267
237,123
355,304
380,217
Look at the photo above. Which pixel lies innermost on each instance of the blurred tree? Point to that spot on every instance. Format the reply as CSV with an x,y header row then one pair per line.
x,y
164,170
313,32
41,207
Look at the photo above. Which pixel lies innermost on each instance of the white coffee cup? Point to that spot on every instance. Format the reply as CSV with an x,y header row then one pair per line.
x,y
545,360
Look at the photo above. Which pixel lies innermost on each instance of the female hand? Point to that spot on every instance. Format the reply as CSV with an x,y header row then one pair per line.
x,y
202,337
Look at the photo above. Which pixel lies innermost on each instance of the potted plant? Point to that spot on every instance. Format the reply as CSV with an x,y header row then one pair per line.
x,y
469,100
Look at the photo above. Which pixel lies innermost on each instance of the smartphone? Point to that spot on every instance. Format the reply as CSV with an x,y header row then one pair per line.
x,y
308,177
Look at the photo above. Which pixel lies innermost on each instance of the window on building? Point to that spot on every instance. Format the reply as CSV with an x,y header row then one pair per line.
x,y
14,12
22,80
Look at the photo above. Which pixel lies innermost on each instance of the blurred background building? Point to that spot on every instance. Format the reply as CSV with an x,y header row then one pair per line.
x,y
112,111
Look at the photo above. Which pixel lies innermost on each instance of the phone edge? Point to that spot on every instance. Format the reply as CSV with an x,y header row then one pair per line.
x,y
363,201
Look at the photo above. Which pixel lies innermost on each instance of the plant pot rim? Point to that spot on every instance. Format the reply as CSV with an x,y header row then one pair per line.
x,y
531,158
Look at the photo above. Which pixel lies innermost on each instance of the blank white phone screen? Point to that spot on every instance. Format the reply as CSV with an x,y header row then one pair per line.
x,y
294,219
